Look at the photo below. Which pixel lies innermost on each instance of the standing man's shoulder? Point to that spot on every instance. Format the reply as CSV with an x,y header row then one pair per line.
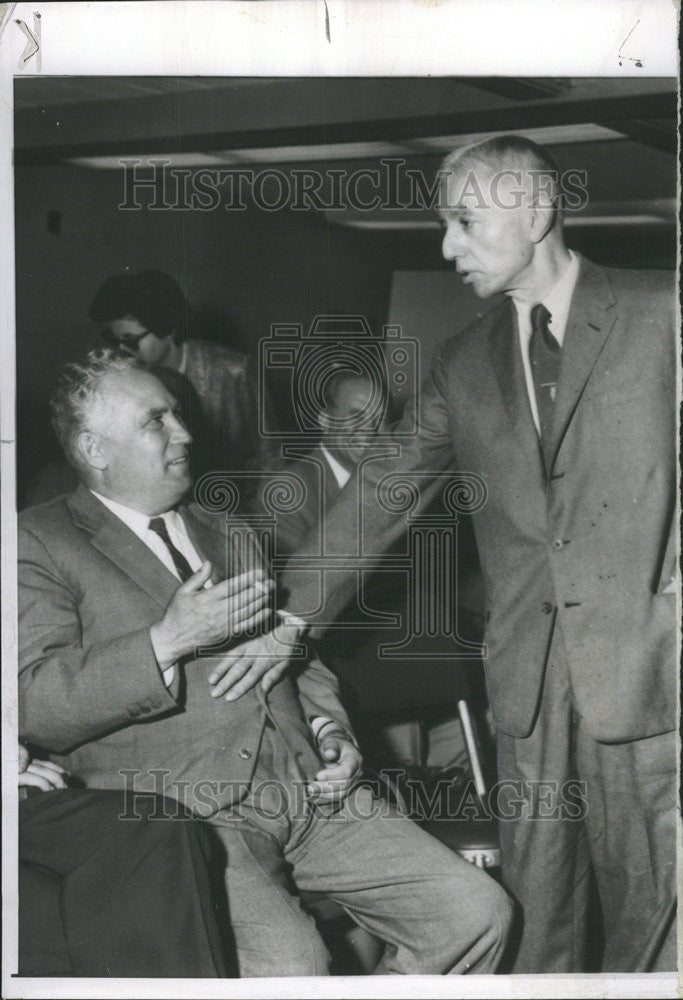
x,y
637,285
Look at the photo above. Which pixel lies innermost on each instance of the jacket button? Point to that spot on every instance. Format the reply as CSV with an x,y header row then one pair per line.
x,y
558,544
546,607
245,754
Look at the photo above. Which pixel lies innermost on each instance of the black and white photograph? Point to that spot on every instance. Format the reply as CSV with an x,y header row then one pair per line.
x,y
340,499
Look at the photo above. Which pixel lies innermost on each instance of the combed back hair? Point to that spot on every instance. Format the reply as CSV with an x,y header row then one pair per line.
x,y
77,386
153,298
506,152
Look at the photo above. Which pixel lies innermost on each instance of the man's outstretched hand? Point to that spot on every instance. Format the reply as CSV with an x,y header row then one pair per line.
x,y
263,659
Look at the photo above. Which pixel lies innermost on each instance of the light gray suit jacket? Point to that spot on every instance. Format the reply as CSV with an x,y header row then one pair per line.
x,y
592,543
90,689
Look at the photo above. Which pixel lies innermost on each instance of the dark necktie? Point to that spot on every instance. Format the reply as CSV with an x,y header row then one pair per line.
x,y
545,355
158,525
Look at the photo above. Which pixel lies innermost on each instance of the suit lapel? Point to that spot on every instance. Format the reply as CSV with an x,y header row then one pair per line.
x,y
506,360
591,318
111,537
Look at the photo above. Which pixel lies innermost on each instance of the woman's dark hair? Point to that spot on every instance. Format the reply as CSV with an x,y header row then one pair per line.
x,y
153,298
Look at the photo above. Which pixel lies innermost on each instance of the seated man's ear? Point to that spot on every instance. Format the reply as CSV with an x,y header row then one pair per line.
x,y
89,446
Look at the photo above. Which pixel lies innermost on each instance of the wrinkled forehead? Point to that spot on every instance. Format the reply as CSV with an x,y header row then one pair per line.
x,y
130,391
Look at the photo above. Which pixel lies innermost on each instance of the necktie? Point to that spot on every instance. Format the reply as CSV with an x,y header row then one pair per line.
x,y
545,355
158,525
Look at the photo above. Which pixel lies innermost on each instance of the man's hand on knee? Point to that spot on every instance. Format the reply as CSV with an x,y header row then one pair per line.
x,y
343,765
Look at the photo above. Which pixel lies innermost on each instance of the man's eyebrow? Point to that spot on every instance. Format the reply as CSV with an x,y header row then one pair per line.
x,y
451,211
154,412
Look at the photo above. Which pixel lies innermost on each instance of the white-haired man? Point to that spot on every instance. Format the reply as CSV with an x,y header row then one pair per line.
x,y
562,400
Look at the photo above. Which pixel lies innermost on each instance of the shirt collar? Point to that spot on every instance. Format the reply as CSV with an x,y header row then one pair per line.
x,y
558,302
135,519
559,298
341,474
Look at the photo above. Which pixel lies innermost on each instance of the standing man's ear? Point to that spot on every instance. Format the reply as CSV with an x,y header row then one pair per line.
x,y
543,216
89,446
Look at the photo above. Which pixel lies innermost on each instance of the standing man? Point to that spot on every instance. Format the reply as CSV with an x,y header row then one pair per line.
x,y
562,400
122,588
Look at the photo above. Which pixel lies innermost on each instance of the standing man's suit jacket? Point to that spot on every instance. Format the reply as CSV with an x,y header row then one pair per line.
x,y
593,541
90,689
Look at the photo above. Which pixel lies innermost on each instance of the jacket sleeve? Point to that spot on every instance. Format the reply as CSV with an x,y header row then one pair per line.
x,y
319,693
71,692
425,448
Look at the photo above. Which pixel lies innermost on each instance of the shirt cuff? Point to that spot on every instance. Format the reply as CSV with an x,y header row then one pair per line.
x,y
168,675
287,619
321,725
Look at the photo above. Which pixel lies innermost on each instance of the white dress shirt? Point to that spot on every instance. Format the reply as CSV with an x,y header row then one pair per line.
x,y
558,302
177,532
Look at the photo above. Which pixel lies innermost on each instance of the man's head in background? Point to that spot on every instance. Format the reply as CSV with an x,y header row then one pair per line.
x,y
503,217
121,429
355,411
145,317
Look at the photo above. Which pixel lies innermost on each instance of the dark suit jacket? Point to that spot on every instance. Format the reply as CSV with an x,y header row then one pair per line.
x,y
595,540
90,689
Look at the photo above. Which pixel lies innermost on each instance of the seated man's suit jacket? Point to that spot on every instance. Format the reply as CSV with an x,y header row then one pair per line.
x,y
590,542
90,689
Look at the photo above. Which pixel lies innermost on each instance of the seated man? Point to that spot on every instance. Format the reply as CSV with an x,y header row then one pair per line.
x,y
122,589
84,910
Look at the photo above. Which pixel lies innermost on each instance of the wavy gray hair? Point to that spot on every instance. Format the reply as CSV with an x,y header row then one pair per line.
x,y
78,384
